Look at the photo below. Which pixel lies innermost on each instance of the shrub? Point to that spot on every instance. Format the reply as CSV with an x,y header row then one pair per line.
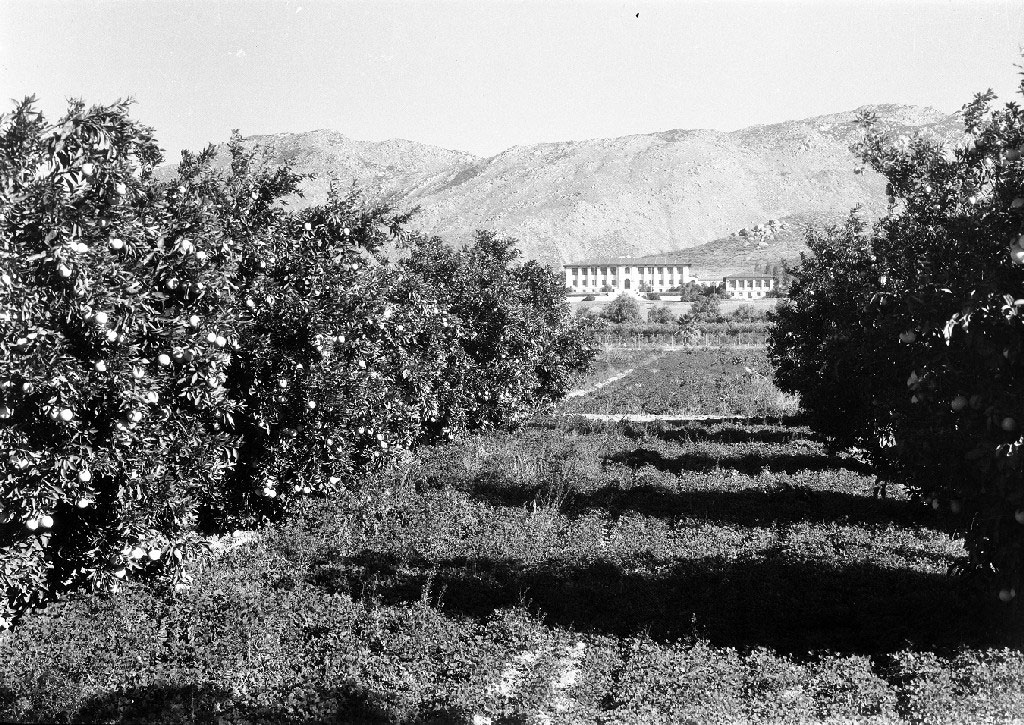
x,y
688,292
748,313
915,332
589,298
660,315
623,308
653,296
705,308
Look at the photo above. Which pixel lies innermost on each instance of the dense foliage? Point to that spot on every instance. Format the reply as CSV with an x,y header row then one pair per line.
x,y
660,315
623,309
821,338
706,308
184,357
518,349
908,340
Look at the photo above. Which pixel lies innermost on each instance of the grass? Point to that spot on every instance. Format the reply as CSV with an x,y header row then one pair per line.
x,y
574,572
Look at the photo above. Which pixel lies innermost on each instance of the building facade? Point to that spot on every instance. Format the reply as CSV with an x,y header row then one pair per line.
x,y
624,274
749,286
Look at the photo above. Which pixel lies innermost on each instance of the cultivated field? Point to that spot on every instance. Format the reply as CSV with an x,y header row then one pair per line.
x,y
685,383
574,572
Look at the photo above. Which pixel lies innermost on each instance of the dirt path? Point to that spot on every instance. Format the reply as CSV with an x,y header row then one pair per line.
x,y
597,386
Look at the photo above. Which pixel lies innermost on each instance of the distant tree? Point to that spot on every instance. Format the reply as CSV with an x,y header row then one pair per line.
x,y
706,308
623,308
659,315
747,313
689,292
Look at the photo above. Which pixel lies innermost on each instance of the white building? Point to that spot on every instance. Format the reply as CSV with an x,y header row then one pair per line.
x,y
748,286
656,273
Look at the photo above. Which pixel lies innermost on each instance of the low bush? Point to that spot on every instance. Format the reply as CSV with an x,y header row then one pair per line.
x,y
748,313
623,309
660,315
705,308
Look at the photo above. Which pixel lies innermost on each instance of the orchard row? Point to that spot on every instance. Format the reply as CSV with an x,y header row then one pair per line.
x,y
183,358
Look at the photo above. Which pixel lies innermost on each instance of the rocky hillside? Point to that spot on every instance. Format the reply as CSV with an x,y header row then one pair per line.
x,y
637,194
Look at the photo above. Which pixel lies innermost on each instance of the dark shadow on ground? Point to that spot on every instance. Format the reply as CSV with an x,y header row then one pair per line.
x,y
722,433
208,703
185,703
750,463
758,507
795,607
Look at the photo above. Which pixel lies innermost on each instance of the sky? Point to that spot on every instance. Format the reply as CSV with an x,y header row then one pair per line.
x,y
484,75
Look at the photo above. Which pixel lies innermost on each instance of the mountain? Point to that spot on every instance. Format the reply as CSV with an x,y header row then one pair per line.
x,y
639,194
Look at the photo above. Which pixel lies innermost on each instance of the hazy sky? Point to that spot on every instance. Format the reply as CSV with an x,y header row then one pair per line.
x,y
488,74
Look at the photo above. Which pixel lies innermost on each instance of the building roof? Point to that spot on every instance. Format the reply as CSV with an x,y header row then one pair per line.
x,y
662,259
749,275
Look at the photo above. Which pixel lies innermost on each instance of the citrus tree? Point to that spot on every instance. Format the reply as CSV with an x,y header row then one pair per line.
x,y
184,357
344,359
923,317
116,331
706,308
824,342
519,347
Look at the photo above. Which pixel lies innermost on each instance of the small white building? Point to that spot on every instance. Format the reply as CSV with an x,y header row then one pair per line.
x,y
749,286
656,273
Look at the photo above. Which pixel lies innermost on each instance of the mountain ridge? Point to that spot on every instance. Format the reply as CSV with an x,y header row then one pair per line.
x,y
644,193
